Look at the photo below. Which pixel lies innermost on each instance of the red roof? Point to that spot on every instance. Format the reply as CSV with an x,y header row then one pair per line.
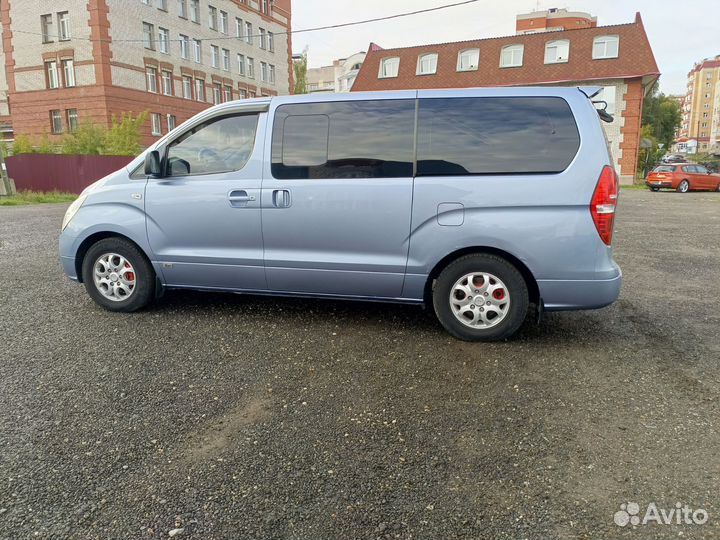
x,y
635,59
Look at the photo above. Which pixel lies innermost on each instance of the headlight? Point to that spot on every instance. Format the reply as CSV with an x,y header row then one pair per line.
x,y
72,210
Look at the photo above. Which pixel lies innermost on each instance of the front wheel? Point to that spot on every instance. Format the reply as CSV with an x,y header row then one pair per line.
x,y
683,187
117,275
481,298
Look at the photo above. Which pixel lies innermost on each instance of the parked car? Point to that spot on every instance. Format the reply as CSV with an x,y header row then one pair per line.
x,y
674,158
683,178
478,202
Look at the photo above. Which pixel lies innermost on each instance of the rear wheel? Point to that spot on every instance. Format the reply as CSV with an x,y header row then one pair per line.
x,y
117,275
683,187
481,297
654,189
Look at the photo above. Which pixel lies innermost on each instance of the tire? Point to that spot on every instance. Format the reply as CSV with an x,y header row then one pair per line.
x,y
654,189
683,186
717,188
127,278
483,326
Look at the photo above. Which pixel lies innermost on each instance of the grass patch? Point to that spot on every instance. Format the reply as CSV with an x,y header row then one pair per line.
x,y
36,197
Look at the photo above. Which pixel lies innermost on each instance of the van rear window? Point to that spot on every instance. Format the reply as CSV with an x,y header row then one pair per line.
x,y
503,135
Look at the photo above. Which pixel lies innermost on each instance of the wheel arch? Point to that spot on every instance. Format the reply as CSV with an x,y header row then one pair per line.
x,y
96,237
530,281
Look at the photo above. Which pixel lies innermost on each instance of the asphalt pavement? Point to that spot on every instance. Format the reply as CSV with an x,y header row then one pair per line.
x,y
232,416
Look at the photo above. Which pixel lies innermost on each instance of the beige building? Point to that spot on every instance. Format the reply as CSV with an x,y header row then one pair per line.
x,y
701,105
69,61
339,77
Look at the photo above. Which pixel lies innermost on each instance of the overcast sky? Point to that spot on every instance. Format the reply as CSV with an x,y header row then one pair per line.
x,y
680,32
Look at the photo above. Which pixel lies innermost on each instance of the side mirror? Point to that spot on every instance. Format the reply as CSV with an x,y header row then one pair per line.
x,y
152,163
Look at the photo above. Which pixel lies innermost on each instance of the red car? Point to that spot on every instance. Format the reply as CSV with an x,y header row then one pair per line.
x,y
682,177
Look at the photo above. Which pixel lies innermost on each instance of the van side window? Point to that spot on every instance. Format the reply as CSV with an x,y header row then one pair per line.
x,y
219,145
504,135
350,139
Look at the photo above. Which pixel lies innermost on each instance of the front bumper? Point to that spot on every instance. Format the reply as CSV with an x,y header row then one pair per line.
x,y
68,249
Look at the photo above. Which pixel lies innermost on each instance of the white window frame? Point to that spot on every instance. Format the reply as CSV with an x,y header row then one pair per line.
x,y
149,36
46,25
223,22
187,87
195,11
63,26
164,40
263,71
271,41
162,5
263,38
72,118
151,79
182,9
167,82
200,90
516,51
212,18
239,28
429,61
53,74
607,42
249,32
227,93
225,59
155,124
215,56
53,118
171,122
250,67
385,63
557,51
271,74
68,66
470,67
197,51
217,93
184,47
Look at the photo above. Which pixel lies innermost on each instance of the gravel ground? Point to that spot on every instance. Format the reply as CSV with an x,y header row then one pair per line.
x,y
233,416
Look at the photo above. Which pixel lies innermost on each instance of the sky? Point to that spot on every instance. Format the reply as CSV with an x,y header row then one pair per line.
x,y
680,32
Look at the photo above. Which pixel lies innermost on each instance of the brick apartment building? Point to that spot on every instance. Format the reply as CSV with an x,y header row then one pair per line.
x,y
701,106
553,47
71,61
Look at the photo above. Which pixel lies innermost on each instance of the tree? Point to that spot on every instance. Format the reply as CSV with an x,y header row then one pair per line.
x,y
123,137
662,114
300,67
87,139
22,145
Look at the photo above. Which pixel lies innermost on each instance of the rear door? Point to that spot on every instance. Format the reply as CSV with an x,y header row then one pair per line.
x,y
337,197
703,178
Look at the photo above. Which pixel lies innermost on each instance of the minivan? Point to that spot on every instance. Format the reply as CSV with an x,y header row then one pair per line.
x,y
479,202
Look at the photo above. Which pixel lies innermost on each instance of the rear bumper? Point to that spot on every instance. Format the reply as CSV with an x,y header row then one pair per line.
x,y
560,295
658,184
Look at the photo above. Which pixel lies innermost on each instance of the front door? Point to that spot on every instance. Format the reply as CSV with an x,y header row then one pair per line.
x,y
337,197
203,216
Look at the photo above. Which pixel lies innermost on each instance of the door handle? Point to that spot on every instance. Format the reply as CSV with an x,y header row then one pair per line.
x,y
281,198
239,198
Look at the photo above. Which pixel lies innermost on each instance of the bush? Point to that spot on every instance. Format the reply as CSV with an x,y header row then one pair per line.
x,y
22,145
123,137
87,139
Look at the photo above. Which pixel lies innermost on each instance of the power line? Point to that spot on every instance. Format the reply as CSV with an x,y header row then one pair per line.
x,y
286,32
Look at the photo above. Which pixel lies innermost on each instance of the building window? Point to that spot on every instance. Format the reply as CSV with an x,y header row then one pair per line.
x,y
195,11
228,93
162,5
167,83
226,59
251,67
72,119
238,27
263,72
512,56
605,47
212,17
69,73
199,90
197,46
389,67
184,47
263,38
214,56
271,41
187,87
271,74
182,9
242,94
171,121
56,125
63,26
52,74
468,60
557,52
427,64
241,64
149,36
155,123
224,22
164,39
146,2
151,74
248,32
46,23
607,94
264,6
217,93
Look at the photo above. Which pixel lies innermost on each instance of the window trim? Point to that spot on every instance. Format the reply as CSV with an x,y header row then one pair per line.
x,y
555,43
514,47
459,60
596,39
421,57
382,65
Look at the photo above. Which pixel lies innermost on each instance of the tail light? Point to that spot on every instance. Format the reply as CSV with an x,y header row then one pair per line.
x,y
602,206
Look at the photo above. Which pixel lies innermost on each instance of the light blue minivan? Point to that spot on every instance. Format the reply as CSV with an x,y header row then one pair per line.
x,y
481,202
